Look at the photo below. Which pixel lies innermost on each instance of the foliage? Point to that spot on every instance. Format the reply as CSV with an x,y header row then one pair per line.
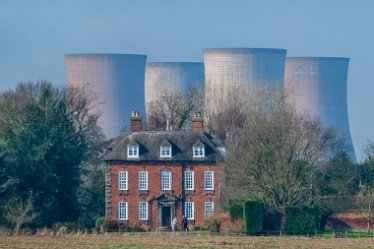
x,y
99,223
253,215
276,152
235,209
91,196
111,226
45,148
302,220
338,177
213,222
19,212
67,227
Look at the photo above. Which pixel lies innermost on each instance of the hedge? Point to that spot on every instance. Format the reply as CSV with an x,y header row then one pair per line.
x,y
253,215
236,209
302,220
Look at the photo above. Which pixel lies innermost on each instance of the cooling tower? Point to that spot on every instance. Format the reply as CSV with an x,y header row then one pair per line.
x,y
317,86
170,78
228,68
117,80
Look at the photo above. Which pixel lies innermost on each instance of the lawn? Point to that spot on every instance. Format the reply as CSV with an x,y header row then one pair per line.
x,y
179,240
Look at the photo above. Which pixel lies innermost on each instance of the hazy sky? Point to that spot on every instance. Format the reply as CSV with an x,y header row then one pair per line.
x,y
35,35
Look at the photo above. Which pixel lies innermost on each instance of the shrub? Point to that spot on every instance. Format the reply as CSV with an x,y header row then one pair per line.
x,y
236,210
302,220
99,223
63,229
253,215
67,227
213,223
115,226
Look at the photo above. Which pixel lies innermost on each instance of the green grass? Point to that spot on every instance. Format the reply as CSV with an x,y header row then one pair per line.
x,y
345,234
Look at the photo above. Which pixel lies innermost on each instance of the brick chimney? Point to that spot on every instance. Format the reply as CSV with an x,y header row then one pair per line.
x,y
197,122
135,122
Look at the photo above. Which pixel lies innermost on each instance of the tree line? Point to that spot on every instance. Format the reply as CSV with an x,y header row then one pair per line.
x,y
50,167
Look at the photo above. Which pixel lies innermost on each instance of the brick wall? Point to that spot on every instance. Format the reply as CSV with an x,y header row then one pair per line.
x,y
347,220
133,195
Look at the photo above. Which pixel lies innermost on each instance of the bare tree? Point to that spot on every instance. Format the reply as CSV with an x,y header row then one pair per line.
x,y
369,150
19,212
275,153
177,108
84,112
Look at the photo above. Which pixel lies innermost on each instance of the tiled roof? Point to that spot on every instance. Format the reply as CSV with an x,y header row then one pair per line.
x,y
150,142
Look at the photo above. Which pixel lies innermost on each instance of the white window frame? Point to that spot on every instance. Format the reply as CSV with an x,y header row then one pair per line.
x,y
198,151
210,212
123,210
164,183
189,181
143,180
132,151
165,151
143,210
189,210
122,180
206,173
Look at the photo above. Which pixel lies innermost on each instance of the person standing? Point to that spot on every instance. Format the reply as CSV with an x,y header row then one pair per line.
x,y
174,223
185,223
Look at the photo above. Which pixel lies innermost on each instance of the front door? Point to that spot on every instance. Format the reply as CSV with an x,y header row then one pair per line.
x,y
165,216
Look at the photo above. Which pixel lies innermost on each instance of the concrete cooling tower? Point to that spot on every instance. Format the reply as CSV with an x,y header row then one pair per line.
x,y
318,86
227,68
170,78
117,80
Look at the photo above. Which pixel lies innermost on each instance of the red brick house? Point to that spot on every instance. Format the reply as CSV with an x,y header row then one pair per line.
x,y
152,176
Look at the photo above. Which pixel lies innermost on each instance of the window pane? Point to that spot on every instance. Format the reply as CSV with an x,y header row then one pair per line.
x,y
122,210
132,151
198,151
165,180
208,180
189,210
143,180
165,151
189,180
122,180
143,211
208,209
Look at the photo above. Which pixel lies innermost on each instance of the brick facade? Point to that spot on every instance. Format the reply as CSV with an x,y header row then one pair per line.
x,y
154,152
152,196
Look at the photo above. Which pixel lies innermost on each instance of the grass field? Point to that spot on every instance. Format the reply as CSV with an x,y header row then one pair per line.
x,y
179,240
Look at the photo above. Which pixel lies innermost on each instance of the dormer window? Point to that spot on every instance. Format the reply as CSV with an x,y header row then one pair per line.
x,y
133,150
198,150
165,149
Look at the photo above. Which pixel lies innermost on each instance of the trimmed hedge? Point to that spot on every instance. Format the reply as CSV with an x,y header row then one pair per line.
x,y
253,215
302,220
99,223
236,210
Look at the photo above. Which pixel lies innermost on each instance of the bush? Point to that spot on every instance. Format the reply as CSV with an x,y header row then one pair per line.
x,y
65,227
115,226
213,223
99,223
236,210
302,220
253,215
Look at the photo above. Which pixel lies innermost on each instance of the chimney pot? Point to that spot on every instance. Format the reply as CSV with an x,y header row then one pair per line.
x,y
135,122
197,122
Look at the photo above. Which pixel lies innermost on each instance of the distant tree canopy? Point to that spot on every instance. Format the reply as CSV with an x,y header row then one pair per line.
x,y
176,108
273,151
45,140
